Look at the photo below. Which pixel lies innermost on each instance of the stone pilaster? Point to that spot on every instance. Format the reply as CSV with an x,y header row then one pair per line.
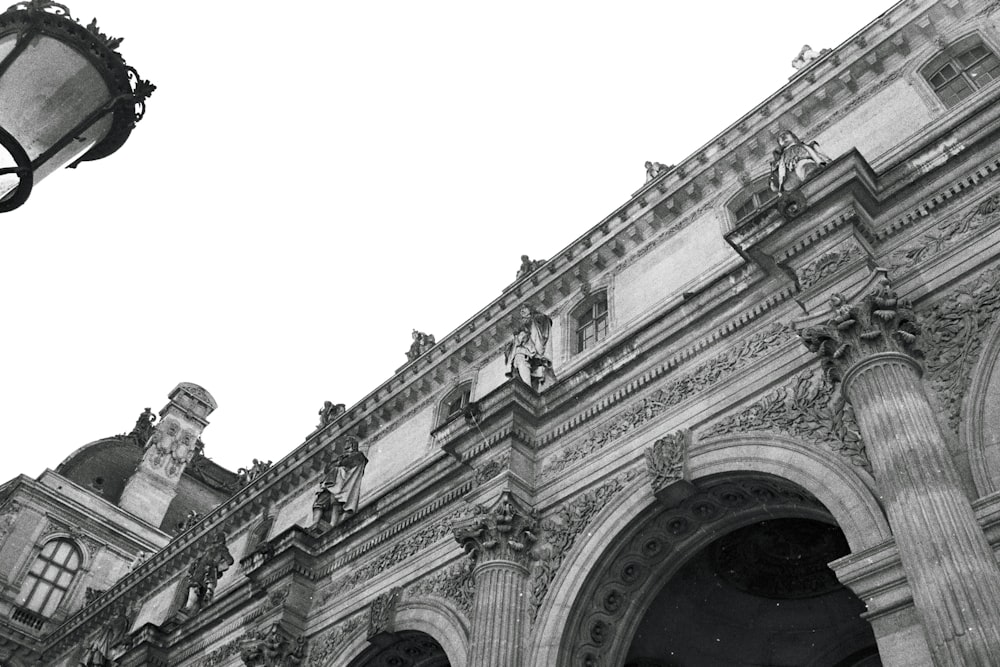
x,y
172,445
870,344
499,539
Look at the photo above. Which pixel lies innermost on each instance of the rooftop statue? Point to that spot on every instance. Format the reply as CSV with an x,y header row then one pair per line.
x,y
527,355
421,343
329,413
794,162
340,489
143,428
204,573
528,266
806,56
247,475
654,169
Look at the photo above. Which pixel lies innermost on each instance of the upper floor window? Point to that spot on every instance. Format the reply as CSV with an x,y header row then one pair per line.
x,y
751,199
50,577
961,69
590,322
455,402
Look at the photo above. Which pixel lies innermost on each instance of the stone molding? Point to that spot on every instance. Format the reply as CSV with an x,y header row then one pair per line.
x,y
872,320
505,531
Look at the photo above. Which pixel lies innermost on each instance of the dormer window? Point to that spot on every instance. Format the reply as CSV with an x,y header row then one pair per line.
x,y
961,69
751,199
455,402
590,322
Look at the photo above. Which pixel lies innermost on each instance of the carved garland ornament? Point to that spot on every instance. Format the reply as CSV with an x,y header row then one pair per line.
x,y
382,612
955,329
333,641
666,459
454,583
946,234
808,408
403,548
830,263
561,530
703,376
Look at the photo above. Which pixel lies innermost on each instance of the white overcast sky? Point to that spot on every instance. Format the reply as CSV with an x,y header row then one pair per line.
x,y
313,180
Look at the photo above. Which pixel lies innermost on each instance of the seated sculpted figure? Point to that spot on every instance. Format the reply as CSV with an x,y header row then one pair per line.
x,y
340,489
794,162
527,354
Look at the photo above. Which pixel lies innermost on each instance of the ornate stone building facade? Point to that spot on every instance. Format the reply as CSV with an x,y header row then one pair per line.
x,y
779,353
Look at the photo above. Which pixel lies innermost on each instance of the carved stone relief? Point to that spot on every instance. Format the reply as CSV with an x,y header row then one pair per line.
x,y
559,533
643,410
205,571
173,446
8,515
382,612
808,408
830,263
666,464
492,468
946,234
333,641
454,583
402,549
954,331
271,648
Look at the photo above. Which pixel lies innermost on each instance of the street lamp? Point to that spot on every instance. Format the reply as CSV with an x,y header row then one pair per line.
x,y
66,95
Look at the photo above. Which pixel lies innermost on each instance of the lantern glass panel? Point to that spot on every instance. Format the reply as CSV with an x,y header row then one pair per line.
x,y
49,89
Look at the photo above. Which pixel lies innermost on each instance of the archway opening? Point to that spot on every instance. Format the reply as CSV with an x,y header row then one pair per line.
x,y
758,595
402,649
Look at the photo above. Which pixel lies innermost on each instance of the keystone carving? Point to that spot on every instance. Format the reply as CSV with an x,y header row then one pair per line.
x,y
504,532
271,649
878,321
382,612
666,463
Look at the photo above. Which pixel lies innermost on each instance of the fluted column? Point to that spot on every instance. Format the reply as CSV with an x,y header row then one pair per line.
x,y
499,539
870,344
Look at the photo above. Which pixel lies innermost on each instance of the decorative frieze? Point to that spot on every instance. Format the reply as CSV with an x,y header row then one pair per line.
x,y
492,468
560,531
829,263
807,408
506,531
673,392
946,234
454,583
271,648
955,329
403,547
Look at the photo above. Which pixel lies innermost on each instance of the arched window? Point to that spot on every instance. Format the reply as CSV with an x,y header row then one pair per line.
x,y
750,199
961,69
590,322
50,577
455,402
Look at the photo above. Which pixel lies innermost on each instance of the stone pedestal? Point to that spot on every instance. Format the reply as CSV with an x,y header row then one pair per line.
x,y
499,539
870,343
171,447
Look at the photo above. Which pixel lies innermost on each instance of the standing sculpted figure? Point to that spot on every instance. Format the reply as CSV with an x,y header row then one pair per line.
x,y
794,162
527,354
340,489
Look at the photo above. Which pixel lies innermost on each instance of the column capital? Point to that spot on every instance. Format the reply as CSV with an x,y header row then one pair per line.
x,y
504,532
870,321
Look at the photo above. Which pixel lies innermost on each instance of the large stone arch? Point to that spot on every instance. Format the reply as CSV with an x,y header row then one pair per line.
x,y
431,616
843,492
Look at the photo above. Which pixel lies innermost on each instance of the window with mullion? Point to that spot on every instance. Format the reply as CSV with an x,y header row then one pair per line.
x,y
957,73
592,325
50,577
